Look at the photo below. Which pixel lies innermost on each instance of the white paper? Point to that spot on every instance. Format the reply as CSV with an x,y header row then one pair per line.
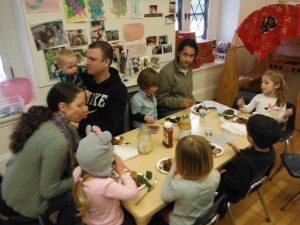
x,y
125,151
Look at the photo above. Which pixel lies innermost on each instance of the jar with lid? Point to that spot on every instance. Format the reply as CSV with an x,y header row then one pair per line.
x,y
184,126
144,139
168,135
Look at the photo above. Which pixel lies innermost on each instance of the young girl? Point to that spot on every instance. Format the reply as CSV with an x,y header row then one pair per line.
x,y
96,193
143,103
194,192
271,102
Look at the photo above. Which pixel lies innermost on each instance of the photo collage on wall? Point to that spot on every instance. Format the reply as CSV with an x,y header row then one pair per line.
x,y
51,36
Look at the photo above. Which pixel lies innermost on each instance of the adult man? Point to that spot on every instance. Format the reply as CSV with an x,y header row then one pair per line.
x,y
108,98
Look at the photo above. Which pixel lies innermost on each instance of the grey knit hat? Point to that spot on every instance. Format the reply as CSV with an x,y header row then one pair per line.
x,y
95,154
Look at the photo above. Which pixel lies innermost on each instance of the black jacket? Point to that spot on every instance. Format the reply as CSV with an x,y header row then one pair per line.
x,y
109,100
244,167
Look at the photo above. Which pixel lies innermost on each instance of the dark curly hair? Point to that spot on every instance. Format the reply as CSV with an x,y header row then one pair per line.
x,y
264,130
187,42
30,121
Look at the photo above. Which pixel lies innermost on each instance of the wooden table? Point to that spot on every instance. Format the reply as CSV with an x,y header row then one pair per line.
x,y
152,203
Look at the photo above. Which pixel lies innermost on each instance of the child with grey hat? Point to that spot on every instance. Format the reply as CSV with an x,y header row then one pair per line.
x,y
96,192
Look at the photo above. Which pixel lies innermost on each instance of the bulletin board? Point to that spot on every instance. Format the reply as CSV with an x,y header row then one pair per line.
x,y
144,28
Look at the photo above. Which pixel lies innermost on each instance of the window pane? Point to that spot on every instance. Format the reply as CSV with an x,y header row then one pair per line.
x,y
198,17
197,25
2,73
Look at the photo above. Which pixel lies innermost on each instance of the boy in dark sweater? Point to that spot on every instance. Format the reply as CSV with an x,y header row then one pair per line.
x,y
263,132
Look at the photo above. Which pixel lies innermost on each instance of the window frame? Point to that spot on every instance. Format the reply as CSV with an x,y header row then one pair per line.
x,y
212,17
4,57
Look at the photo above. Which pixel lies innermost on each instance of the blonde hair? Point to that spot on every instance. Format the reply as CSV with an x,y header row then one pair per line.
x,y
281,91
62,53
82,202
193,157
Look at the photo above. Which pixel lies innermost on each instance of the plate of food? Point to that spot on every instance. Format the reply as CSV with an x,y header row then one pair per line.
x,y
173,119
240,120
229,114
275,113
140,180
216,150
164,165
197,108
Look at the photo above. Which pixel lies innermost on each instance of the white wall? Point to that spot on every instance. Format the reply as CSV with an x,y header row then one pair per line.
x,y
228,17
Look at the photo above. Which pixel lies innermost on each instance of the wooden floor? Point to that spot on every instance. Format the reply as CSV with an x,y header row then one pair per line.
x,y
276,192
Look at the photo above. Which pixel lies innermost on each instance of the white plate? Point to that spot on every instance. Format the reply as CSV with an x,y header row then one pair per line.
x,y
159,165
193,110
218,147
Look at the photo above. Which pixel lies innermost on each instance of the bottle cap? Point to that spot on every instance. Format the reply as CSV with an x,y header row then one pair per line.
x,y
167,124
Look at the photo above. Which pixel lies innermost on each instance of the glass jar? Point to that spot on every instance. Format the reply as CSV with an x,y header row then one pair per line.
x,y
184,126
144,139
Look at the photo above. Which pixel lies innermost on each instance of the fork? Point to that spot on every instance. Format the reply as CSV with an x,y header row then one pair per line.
x,y
149,189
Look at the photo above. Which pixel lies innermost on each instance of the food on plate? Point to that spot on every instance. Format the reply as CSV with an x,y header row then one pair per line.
x,y
173,119
166,164
139,179
214,150
148,175
241,120
228,114
198,107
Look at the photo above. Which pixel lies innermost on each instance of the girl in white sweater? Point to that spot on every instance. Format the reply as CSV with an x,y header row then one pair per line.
x,y
272,101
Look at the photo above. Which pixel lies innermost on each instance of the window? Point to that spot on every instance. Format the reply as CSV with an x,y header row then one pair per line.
x,y
192,16
4,62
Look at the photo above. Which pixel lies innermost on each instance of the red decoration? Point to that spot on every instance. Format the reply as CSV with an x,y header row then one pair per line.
x,y
263,29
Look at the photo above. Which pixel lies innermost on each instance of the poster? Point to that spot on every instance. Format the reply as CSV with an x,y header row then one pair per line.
x,y
50,55
41,6
48,35
96,9
75,11
119,8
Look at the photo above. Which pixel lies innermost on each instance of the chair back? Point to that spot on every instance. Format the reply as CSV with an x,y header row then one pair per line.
x,y
211,215
291,162
290,124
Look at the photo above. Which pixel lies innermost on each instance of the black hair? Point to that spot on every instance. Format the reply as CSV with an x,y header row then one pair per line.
x,y
30,121
107,50
264,130
187,42
148,78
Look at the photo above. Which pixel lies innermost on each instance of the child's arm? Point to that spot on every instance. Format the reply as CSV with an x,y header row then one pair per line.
x,y
288,113
136,108
250,107
234,147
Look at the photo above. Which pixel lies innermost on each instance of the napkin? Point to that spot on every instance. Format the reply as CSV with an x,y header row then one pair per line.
x,y
234,128
125,151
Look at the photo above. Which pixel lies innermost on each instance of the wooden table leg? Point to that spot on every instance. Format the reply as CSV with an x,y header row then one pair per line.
x,y
297,122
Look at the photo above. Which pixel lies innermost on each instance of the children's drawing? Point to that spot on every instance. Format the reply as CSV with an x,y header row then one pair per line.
x,y
50,55
135,65
96,9
155,63
41,5
112,35
119,8
75,10
136,9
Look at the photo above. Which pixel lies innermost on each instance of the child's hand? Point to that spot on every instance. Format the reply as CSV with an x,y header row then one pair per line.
x,y
288,113
187,102
88,94
149,119
222,171
234,147
118,166
241,102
